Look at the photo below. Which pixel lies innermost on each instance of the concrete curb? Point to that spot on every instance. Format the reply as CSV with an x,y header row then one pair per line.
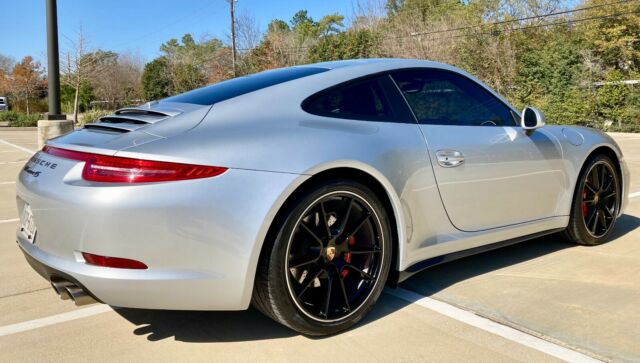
x,y
48,129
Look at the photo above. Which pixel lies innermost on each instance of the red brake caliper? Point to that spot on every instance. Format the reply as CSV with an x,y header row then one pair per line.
x,y
347,256
584,204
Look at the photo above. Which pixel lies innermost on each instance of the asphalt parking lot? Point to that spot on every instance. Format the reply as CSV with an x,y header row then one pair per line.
x,y
578,299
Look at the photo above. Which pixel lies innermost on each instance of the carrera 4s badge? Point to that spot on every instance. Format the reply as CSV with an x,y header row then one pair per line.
x,y
36,161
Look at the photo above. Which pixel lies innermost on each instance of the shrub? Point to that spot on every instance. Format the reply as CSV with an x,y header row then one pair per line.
x,y
92,116
19,119
9,116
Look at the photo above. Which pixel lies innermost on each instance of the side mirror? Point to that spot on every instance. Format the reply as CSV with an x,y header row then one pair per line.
x,y
531,119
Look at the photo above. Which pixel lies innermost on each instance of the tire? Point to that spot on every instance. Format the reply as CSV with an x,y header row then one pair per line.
x,y
596,202
303,264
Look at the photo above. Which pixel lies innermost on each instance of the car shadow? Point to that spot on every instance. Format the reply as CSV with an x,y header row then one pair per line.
x,y
625,224
250,325
204,326
438,278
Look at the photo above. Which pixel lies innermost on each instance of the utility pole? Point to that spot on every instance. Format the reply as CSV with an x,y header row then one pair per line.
x,y
233,38
53,71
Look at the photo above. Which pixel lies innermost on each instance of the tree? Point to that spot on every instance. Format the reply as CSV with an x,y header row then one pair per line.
x,y
612,98
78,67
277,25
5,83
348,45
189,61
156,79
287,45
306,28
117,80
247,31
27,79
6,63
614,39
68,96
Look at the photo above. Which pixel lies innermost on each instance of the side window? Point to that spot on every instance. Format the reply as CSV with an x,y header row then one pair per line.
x,y
440,97
360,100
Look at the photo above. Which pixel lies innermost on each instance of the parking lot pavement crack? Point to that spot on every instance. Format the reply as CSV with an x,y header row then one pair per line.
x,y
24,292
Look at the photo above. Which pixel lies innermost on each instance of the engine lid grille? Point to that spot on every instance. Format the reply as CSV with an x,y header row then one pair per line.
x,y
132,118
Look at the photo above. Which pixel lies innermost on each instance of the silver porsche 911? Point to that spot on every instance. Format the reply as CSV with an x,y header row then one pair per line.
x,y
306,190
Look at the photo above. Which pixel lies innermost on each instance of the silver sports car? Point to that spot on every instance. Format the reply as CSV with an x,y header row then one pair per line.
x,y
306,190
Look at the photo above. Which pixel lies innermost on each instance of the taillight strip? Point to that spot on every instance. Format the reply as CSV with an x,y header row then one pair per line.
x,y
115,169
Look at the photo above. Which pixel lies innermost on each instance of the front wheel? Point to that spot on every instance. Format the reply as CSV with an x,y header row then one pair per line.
x,y
596,202
328,262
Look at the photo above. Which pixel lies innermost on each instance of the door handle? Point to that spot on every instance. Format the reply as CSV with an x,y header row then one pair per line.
x,y
449,158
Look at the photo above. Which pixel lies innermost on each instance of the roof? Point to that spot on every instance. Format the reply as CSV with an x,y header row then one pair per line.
x,y
391,62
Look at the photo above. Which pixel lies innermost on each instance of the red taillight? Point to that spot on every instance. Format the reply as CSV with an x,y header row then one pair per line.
x,y
114,169
115,262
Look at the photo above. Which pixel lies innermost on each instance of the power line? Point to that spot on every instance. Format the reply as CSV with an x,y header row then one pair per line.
x,y
567,22
519,19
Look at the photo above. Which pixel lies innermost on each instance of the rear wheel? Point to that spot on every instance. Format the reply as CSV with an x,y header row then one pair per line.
x,y
329,261
596,202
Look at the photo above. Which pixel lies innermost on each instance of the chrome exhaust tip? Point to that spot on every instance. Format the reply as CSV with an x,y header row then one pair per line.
x,y
79,296
60,287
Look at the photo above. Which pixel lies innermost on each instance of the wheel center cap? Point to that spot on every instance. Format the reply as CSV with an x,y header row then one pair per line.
x,y
596,198
330,253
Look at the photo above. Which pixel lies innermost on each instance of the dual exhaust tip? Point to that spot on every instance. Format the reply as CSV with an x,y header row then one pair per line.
x,y
70,291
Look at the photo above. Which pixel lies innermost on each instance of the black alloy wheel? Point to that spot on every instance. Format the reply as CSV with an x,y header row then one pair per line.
x,y
334,256
329,261
599,199
596,202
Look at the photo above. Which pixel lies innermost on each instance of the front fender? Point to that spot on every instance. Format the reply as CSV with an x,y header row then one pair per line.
x,y
576,151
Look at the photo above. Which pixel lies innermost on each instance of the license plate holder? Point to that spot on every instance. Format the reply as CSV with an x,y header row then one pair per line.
x,y
28,224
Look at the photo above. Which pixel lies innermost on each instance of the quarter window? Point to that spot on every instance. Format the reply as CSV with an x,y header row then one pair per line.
x,y
360,100
439,97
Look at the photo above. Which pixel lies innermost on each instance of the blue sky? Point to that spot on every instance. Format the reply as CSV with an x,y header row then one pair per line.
x,y
138,26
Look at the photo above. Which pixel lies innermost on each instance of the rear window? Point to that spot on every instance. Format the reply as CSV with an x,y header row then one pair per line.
x,y
1,101
359,100
238,86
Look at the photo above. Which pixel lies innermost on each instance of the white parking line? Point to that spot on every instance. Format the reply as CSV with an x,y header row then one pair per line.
x,y
491,326
9,220
54,319
634,195
28,151
7,183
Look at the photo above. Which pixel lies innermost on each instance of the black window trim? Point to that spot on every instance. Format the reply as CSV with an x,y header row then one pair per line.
x,y
487,89
400,110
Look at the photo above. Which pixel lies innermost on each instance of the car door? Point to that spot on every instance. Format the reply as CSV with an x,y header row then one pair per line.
x,y
490,172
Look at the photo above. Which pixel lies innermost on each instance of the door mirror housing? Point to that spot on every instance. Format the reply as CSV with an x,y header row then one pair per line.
x,y
531,119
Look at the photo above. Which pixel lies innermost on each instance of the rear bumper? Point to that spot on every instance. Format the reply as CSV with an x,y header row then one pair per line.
x,y
201,239
174,290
